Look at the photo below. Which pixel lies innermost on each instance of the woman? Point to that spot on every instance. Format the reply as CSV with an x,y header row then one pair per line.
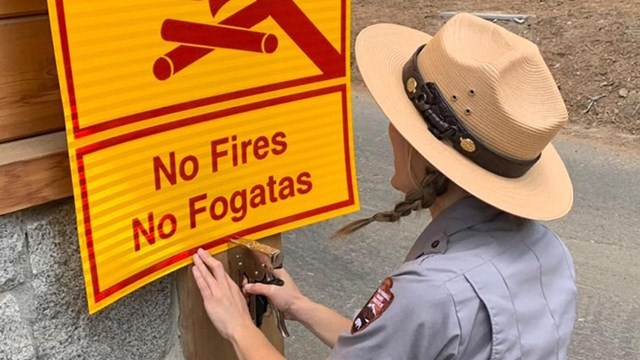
x,y
472,113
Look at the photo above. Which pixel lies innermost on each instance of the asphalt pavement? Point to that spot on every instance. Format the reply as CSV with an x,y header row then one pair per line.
x,y
601,233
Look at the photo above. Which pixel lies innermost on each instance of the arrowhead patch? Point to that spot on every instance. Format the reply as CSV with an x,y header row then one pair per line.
x,y
376,306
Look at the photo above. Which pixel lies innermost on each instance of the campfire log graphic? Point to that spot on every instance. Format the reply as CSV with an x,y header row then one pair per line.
x,y
196,40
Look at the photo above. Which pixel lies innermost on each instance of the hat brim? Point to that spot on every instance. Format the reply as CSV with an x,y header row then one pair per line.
x,y
545,192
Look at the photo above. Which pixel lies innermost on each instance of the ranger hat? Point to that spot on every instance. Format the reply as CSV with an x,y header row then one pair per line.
x,y
479,103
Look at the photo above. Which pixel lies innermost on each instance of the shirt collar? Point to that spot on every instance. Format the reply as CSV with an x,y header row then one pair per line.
x,y
463,214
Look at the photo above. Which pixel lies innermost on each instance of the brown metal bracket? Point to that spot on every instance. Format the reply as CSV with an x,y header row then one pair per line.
x,y
255,262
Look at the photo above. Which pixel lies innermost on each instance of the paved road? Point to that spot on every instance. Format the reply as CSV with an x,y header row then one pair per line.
x,y
600,232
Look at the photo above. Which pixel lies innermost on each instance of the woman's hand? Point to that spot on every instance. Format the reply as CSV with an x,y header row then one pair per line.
x,y
228,311
223,300
286,298
325,323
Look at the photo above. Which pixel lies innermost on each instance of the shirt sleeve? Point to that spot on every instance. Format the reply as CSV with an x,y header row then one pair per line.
x,y
410,316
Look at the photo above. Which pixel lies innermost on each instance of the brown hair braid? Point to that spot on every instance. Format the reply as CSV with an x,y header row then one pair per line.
x,y
432,185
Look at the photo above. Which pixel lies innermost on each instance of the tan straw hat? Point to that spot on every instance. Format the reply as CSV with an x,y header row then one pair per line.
x,y
490,98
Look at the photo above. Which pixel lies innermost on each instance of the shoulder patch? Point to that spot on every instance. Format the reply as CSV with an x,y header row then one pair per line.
x,y
377,304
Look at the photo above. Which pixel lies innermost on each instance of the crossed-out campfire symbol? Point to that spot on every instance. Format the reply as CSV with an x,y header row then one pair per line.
x,y
234,32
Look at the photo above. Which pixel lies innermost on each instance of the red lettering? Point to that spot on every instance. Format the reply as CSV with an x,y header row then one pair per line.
x,y
258,196
225,208
169,174
195,167
304,180
138,228
234,150
245,146
280,145
286,188
237,205
259,146
161,226
238,209
193,211
271,183
216,154
241,150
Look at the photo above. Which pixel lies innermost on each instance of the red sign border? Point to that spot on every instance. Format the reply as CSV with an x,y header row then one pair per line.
x,y
170,109
100,295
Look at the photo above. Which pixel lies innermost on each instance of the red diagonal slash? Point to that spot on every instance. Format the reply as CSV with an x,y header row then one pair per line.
x,y
184,55
307,36
290,18
216,5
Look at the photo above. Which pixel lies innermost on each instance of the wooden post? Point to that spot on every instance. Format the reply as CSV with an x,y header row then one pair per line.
x,y
199,339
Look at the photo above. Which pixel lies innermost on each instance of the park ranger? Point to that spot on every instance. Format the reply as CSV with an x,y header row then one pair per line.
x,y
472,112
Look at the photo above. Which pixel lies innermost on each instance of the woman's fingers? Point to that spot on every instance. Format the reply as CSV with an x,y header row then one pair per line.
x,y
206,274
223,301
214,279
201,282
238,297
259,289
216,266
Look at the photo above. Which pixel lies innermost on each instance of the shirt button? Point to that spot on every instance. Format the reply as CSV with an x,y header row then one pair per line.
x,y
435,244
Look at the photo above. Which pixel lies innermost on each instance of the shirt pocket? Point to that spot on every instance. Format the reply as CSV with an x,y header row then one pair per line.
x,y
494,294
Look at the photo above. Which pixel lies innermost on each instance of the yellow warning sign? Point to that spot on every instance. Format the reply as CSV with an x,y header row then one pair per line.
x,y
195,122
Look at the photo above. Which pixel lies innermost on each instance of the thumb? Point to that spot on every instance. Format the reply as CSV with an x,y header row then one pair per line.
x,y
258,289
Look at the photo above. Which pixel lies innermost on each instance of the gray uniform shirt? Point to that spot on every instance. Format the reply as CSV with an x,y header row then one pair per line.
x,y
477,284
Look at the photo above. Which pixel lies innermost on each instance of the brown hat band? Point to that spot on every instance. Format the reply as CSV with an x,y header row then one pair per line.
x,y
445,125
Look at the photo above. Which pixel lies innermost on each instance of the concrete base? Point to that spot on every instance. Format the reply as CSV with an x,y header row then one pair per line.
x,y
43,311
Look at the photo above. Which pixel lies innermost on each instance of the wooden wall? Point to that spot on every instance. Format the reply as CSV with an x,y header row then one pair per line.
x,y
16,8
34,167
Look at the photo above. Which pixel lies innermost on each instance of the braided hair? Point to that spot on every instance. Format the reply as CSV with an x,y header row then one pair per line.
x,y
432,185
